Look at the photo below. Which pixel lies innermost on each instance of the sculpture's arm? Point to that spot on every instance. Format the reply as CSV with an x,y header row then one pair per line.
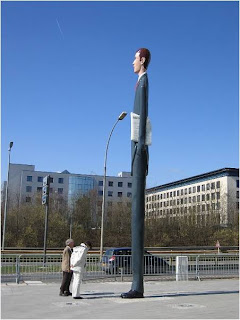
x,y
143,118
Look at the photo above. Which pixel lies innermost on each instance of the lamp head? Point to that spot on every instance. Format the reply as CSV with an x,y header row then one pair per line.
x,y
10,145
122,115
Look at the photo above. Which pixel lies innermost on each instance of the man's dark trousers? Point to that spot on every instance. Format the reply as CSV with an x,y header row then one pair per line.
x,y
66,280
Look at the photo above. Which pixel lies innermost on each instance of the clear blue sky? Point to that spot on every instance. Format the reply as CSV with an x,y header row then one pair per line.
x,y
67,74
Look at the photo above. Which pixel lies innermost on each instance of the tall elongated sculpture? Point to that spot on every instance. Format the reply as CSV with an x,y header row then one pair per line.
x,y
139,170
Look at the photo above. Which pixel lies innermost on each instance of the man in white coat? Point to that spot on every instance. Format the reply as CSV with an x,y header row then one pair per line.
x,y
78,263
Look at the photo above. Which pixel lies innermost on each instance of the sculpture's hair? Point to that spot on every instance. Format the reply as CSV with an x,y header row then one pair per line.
x,y
68,241
144,52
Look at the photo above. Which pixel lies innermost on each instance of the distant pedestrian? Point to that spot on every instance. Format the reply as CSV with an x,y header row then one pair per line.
x,y
78,264
67,272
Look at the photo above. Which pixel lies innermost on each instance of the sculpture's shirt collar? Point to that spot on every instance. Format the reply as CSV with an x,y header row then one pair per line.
x,y
141,75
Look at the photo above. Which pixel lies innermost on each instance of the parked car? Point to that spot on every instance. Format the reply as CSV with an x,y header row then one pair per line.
x,y
117,260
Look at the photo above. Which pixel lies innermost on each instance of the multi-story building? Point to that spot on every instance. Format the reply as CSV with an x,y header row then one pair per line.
x,y
215,192
25,184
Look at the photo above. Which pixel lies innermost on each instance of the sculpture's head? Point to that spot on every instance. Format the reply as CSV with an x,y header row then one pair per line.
x,y
142,60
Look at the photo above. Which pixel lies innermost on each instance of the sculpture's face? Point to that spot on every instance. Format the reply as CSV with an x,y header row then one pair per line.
x,y
137,63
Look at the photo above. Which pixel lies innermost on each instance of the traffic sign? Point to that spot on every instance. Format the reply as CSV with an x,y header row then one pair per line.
x,y
45,190
46,181
44,199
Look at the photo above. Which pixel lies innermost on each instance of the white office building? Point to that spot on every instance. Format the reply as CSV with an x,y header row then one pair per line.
x,y
25,185
215,192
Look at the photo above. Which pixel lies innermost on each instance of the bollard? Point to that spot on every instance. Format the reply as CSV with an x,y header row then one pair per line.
x,y
181,268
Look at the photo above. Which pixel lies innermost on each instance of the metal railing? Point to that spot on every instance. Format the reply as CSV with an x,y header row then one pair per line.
x,y
25,267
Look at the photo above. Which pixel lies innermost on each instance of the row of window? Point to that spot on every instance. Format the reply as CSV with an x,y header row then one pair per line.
x,y
181,192
110,194
119,184
203,197
199,208
40,179
194,209
39,189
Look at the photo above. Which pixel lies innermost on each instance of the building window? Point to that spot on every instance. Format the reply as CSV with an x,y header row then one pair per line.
x,y
120,194
203,197
178,193
28,199
213,196
198,188
39,189
28,189
60,180
110,183
185,191
203,207
129,184
51,179
174,193
189,190
60,190
198,198
100,183
110,193
218,195
218,205
203,187
29,178
218,184
100,192
237,195
185,200
208,186
168,195
181,192
189,199
237,183
194,199
194,189
120,184
213,185
129,195
40,179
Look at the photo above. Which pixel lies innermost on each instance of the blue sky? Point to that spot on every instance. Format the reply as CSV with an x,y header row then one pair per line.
x,y
67,75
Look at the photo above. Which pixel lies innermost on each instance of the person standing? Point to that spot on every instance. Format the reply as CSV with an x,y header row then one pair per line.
x,y
78,264
67,272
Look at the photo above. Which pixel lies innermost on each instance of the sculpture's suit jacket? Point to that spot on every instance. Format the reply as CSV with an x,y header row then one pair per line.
x,y
141,108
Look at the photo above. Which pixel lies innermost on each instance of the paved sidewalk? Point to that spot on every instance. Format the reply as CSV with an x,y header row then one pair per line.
x,y
209,299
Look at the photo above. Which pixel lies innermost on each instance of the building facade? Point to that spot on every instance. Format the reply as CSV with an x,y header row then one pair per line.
x,y
213,193
25,185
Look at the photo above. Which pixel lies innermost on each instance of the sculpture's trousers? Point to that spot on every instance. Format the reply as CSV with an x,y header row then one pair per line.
x,y
138,210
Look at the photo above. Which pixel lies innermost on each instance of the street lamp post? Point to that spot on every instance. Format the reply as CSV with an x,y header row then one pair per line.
x,y
6,196
121,117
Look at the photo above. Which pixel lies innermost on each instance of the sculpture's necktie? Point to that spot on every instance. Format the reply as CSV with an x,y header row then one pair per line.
x,y
136,85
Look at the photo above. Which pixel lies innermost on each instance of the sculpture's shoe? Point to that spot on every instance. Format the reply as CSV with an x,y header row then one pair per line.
x,y
132,294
